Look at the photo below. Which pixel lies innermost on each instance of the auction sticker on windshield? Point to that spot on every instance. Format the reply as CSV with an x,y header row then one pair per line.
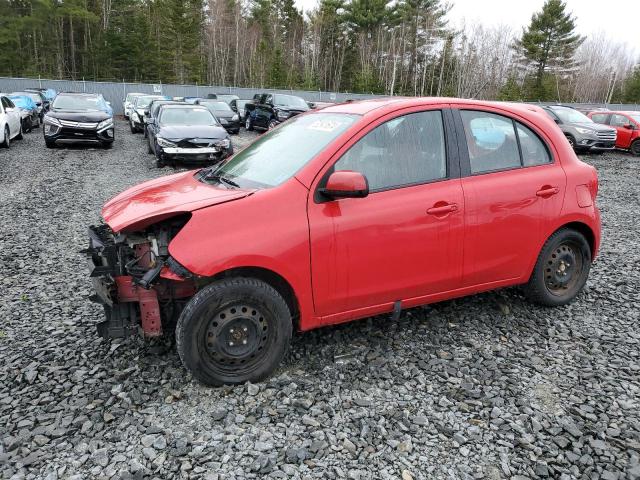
x,y
324,125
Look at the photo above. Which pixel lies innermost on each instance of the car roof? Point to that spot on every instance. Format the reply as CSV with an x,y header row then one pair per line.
x,y
75,94
362,107
184,105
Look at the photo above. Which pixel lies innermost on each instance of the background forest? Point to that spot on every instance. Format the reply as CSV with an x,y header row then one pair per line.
x,y
397,47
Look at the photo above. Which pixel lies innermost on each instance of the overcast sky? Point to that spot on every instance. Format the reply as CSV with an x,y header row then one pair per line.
x,y
617,18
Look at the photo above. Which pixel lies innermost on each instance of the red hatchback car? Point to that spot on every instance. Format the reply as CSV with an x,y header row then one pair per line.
x,y
627,125
356,210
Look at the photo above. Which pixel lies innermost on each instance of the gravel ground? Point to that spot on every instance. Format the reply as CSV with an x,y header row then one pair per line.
x,y
483,387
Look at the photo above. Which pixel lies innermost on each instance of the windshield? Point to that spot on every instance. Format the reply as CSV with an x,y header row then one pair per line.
x,y
289,101
569,115
278,155
143,102
77,102
216,106
186,116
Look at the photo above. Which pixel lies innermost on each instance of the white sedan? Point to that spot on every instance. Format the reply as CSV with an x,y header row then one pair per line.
x,y
128,102
10,122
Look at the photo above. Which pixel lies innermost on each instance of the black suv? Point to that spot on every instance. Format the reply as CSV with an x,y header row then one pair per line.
x,y
272,109
78,117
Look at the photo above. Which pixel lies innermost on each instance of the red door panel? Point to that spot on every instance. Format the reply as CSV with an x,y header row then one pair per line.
x,y
507,214
389,246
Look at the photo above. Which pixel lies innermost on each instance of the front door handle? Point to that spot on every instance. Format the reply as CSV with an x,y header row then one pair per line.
x,y
547,191
442,209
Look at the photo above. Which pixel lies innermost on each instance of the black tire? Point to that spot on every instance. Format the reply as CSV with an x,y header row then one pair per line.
x,y
149,149
20,135
106,145
7,137
561,270
635,148
572,142
27,125
133,129
50,143
144,131
248,123
272,124
159,163
233,331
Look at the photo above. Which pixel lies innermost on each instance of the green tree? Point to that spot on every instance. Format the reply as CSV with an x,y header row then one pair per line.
x,y
550,41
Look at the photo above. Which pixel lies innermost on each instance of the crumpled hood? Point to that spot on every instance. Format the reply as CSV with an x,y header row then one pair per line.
x,y
155,200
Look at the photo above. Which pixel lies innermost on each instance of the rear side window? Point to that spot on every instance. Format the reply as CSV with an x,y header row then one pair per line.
x,y
534,151
599,118
407,150
498,143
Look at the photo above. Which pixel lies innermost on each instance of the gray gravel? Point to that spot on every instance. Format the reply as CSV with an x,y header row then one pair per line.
x,y
482,387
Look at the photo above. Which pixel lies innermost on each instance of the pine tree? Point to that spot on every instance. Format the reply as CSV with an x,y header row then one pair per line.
x,y
550,41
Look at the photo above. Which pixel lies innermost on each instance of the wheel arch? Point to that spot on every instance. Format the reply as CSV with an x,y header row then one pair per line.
x,y
585,230
272,278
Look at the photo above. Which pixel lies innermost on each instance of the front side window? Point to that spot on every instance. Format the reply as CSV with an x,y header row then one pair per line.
x,y
599,117
618,120
407,150
496,143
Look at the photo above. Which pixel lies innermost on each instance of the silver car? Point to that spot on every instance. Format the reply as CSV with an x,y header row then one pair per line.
x,y
582,133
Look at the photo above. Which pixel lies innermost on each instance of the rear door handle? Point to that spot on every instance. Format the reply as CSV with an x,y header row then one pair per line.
x,y
547,191
442,209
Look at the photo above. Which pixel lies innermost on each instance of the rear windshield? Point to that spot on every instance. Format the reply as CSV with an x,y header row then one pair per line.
x,y
636,117
143,102
77,102
289,101
216,105
186,116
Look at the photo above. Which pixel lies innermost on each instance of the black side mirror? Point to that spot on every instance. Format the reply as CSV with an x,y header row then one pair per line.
x,y
628,126
146,112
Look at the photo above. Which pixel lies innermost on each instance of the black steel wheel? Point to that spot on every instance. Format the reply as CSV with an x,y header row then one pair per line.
x,y
635,148
234,330
561,270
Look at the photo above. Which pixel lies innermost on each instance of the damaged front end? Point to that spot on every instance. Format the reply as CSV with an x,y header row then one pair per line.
x,y
135,279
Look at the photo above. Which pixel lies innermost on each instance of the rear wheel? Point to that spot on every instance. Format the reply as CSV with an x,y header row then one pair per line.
x,y
7,137
635,148
20,136
233,331
27,125
562,269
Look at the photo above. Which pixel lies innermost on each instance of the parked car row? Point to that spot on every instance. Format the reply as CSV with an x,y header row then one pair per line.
x,y
179,130
598,130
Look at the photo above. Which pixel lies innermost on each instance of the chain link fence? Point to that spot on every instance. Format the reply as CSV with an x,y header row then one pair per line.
x,y
115,92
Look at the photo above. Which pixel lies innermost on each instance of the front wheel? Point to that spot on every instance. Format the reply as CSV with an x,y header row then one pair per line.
x,y
272,124
562,269
233,331
132,127
635,148
248,123
7,138
572,141
20,136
